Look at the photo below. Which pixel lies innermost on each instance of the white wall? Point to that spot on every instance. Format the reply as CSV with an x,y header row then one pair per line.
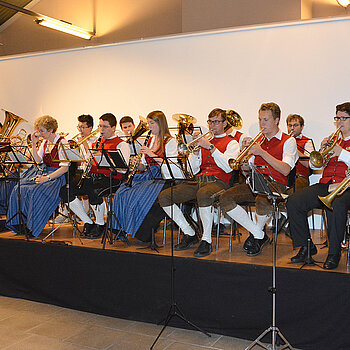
x,y
297,65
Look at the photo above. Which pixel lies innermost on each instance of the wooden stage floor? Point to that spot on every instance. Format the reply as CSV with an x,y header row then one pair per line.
x,y
284,248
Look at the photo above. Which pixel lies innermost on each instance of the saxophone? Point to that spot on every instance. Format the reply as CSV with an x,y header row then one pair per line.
x,y
133,168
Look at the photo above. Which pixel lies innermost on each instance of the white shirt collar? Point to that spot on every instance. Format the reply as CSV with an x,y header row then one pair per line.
x,y
219,136
278,135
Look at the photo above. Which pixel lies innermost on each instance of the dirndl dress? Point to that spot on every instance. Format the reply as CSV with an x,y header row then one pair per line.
x,y
38,200
132,204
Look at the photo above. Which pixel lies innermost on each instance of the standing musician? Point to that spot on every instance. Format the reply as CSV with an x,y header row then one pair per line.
x,y
40,186
300,203
295,125
96,179
278,154
210,164
135,203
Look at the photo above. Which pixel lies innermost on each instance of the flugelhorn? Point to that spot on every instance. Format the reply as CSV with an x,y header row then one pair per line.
x,y
140,130
322,157
75,144
340,189
190,147
243,157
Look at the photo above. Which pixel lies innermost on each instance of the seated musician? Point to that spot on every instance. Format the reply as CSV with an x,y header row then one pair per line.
x,y
136,207
127,125
210,164
300,203
295,125
278,154
95,180
39,186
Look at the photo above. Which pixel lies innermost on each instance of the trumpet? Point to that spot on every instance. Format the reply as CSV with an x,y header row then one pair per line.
x,y
243,157
322,157
187,148
341,188
76,144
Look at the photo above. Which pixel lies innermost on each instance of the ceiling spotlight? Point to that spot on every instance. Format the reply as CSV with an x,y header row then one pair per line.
x,y
344,3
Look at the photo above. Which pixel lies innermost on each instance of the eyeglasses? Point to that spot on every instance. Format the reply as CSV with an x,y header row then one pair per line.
x,y
215,122
104,126
83,127
293,125
340,118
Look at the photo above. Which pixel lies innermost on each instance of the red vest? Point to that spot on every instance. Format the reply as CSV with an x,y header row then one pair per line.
x,y
335,171
51,159
275,148
208,166
107,144
237,136
301,169
159,152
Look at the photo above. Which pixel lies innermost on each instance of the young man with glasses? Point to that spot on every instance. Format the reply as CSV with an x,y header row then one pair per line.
x,y
300,203
274,154
210,164
97,179
295,126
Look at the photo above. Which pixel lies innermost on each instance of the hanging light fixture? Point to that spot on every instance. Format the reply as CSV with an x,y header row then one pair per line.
x,y
344,3
53,23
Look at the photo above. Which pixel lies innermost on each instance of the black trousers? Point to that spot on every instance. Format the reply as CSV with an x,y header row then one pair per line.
x,y
92,187
300,203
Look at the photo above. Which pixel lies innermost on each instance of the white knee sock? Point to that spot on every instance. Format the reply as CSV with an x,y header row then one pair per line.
x,y
99,211
261,220
241,216
86,206
206,214
176,214
77,208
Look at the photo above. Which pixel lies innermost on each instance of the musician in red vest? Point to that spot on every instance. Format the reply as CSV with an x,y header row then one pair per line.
x,y
295,126
276,153
97,179
300,203
210,164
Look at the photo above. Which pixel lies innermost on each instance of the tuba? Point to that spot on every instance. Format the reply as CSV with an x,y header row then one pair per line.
x,y
10,123
321,158
234,120
185,123
140,130
243,157
341,188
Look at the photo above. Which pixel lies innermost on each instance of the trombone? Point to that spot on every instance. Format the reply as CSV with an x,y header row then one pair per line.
x,y
340,189
243,157
321,158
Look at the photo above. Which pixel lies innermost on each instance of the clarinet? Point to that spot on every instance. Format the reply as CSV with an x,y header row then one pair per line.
x,y
133,169
89,165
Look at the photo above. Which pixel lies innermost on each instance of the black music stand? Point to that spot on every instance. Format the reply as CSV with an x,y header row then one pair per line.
x,y
174,309
113,160
70,155
260,185
16,155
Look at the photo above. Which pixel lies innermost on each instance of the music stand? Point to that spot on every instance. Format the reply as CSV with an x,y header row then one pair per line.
x,y
70,155
174,309
114,161
260,185
17,155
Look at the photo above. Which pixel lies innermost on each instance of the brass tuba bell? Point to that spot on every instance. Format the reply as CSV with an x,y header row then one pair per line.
x,y
10,123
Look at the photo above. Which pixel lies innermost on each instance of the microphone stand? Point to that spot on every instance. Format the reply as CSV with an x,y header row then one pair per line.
x,y
174,310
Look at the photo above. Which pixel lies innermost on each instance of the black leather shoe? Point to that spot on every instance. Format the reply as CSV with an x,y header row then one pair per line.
x,y
258,245
302,254
186,242
87,230
203,249
97,231
332,261
248,242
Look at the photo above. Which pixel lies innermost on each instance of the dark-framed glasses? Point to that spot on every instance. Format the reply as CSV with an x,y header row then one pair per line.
x,y
340,118
214,122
